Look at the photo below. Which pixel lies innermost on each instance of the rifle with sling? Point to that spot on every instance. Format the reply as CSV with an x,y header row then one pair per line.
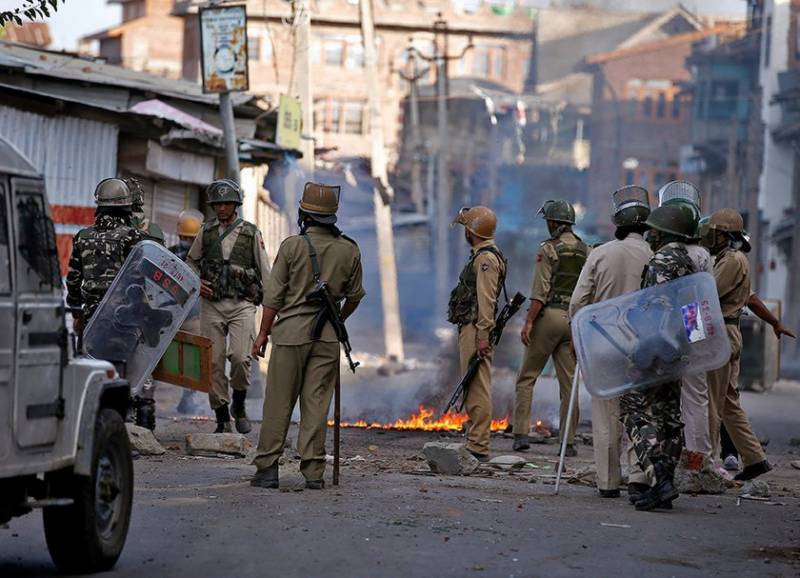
x,y
506,313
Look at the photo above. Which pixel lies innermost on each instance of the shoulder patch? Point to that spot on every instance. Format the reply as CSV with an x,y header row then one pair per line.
x,y
538,257
484,267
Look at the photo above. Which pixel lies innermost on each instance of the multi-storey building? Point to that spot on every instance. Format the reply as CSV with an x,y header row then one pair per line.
x,y
149,39
502,41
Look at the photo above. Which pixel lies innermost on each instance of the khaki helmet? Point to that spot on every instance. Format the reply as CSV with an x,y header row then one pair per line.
x,y
189,223
112,193
673,221
480,221
727,220
631,206
224,191
559,211
320,200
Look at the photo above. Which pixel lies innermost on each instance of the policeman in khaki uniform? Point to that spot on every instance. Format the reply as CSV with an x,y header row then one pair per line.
x,y
732,274
303,365
230,257
546,332
611,270
473,306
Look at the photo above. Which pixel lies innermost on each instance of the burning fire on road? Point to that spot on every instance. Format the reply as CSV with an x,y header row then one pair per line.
x,y
424,420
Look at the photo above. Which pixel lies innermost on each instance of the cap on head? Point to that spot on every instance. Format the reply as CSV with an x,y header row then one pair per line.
x,y
631,206
189,223
112,192
224,191
559,211
673,221
727,220
480,221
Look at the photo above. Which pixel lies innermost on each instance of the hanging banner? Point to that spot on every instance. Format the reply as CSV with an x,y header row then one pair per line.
x,y
289,123
223,49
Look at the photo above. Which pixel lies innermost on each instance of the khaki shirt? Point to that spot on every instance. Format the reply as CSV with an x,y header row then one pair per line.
x,y
611,270
732,274
292,279
488,270
195,256
546,260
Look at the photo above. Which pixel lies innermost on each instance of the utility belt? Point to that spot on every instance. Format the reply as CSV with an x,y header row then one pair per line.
x,y
733,320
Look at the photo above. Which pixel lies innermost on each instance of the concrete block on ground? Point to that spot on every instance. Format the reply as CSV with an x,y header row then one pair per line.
x,y
756,489
508,462
143,441
450,459
211,445
705,480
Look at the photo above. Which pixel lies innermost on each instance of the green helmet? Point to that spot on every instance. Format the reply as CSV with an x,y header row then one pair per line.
x,y
559,211
112,193
684,195
224,191
631,206
672,220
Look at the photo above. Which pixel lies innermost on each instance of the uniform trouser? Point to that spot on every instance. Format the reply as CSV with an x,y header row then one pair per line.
x,y
608,440
230,324
724,406
550,336
308,372
694,412
652,418
479,395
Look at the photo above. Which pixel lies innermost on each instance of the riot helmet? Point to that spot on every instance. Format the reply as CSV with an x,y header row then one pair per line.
x,y
112,192
672,220
558,210
189,223
480,221
631,206
224,191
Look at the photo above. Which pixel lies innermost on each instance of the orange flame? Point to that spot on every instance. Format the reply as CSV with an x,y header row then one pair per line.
x,y
424,420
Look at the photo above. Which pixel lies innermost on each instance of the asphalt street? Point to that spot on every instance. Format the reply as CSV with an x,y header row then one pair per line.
x,y
391,517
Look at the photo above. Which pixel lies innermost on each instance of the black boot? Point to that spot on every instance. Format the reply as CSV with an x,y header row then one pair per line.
x,y
266,478
521,443
663,493
753,471
223,419
636,491
239,412
145,413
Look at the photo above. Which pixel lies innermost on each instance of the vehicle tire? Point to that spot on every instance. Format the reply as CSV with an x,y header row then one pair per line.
x,y
88,536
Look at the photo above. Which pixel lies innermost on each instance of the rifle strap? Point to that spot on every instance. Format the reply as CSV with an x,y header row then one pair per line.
x,y
494,251
228,230
312,253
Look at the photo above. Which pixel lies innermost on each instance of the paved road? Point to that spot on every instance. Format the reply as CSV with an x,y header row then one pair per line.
x,y
199,517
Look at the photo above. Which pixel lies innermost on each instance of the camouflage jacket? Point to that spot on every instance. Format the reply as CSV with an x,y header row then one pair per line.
x,y
668,263
98,252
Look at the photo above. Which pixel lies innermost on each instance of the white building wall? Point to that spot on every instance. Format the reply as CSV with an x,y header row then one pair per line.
x,y
775,184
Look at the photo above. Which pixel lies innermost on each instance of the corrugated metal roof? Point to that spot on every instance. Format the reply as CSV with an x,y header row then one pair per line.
x,y
72,153
80,69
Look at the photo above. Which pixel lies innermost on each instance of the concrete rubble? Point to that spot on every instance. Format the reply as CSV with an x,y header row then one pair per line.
x,y
755,489
705,480
508,462
143,441
212,445
450,459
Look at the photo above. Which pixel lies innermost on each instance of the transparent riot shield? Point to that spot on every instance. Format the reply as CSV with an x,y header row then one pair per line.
x,y
651,336
150,298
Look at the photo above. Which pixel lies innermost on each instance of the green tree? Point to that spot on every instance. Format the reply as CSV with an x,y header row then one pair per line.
x,y
31,10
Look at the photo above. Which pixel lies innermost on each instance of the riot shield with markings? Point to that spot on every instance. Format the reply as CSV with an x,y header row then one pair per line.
x,y
150,298
651,336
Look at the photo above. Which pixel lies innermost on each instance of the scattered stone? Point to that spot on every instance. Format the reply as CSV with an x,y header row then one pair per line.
x,y
372,448
699,478
143,441
211,445
508,462
450,459
795,464
755,489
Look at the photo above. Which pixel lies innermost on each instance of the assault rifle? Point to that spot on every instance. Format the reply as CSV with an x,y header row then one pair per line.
x,y
506,313
330,312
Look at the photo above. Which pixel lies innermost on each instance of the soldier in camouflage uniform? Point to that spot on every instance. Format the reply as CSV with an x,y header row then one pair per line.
x,y
99,251
652,417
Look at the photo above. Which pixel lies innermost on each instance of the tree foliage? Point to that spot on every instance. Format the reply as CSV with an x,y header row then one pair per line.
x,y
30,10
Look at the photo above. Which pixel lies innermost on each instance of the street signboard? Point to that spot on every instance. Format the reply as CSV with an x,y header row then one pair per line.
x,y
223,48
289,123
